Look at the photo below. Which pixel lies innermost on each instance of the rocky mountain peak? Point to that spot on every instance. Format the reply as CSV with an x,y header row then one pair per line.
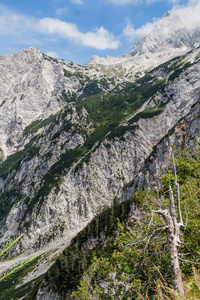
x,y
167,14
173,32
31,88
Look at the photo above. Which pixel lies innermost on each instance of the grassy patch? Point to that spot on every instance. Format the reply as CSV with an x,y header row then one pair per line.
x,y
13,161
14,277
148,113
9,245
37,124
67,73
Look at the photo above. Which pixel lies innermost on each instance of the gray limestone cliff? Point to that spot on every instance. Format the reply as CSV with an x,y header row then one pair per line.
x,y
60,183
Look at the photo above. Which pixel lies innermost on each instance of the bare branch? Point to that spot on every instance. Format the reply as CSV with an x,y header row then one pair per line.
x,y
147,236
171,204
192,262
177,189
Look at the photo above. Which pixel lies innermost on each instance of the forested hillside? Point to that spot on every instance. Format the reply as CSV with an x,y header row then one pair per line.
x,y
123,253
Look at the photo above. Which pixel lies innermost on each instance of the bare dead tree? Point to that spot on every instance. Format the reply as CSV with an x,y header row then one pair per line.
x,y
172,227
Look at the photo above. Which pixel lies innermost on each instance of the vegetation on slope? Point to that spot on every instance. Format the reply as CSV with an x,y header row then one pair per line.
x,y
12,276
10,282
112,259
37,124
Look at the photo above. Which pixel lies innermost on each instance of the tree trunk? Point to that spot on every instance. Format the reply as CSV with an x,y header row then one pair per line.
x,y
172,240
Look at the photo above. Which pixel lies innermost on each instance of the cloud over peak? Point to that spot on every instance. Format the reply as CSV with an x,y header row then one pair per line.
x,y
180,17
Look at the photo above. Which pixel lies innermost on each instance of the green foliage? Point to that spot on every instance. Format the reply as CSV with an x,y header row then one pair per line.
x,y
143,258
148,113
1,155
67,73
37,124
49,58
13,161
12,242
13,270
176,66
13,277
3,102
180,70
8,199
91,89
70,266
68,97
108,111
82,290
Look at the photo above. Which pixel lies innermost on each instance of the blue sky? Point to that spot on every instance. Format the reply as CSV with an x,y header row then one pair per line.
x,y
77,29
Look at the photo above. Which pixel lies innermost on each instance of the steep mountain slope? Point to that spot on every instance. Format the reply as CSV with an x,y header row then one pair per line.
x,y
34,86
80,136
81,160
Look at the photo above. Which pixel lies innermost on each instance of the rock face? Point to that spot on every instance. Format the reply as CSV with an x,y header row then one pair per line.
x,y
31,88
45,294
70,159
51,207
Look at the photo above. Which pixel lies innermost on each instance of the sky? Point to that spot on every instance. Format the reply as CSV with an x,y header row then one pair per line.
x,y
77,29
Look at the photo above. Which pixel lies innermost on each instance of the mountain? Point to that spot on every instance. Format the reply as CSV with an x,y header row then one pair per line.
x,y
74,138
171,33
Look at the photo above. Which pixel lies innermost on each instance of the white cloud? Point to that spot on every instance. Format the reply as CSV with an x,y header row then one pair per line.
x,y
52,54
130,32
188,16
135,2
77,2
61,11
180,17
12,23
99,39
24,28
123,2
